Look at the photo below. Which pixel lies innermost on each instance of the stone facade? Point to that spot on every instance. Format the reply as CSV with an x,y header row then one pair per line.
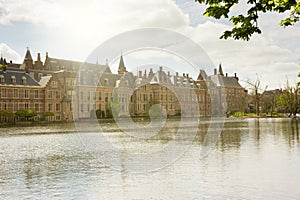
x,y
73,90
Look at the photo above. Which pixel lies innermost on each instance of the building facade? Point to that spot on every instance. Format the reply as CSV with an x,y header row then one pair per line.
x,y
68,90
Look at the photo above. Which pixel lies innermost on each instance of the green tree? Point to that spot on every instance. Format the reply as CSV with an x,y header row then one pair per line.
x,y
46,115
26,113
5,114
245,25
289,99
149,105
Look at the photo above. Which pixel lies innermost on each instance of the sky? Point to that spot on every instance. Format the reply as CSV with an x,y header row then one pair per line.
x,y
74,29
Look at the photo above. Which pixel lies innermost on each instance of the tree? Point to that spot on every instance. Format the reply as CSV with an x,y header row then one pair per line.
x,y
26,113
245,25
46,115
6,114
289,99
257,93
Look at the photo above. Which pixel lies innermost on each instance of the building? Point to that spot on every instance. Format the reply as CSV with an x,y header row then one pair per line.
x,y
68,90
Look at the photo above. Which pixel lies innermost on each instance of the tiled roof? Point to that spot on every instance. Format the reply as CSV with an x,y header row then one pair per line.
x,y
18,76
225,81
61,64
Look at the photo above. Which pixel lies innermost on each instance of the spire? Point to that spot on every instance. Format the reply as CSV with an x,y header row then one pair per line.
x,y
28,54
122,68
221,70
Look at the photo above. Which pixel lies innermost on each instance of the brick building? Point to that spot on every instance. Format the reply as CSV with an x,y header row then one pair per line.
x,y
73,90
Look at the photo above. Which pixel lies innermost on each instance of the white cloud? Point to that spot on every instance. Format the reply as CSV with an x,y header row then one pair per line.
x,y
9,54
77,27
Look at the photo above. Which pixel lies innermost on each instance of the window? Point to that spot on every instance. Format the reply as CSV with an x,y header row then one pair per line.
x,y
3,92
23,80
1,79
16,107
40,75
57,107
4,106
100,96
57,117
26,106
49,107
106,97
26,94
49,94
57,94
36,107
36,94
89,96
54,84
88,107
81,108
81,95
16,93
13,79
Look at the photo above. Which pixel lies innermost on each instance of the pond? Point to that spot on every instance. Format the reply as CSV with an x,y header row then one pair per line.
x,y
252,159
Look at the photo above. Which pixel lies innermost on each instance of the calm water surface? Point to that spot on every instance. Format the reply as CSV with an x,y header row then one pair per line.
x,y
253,159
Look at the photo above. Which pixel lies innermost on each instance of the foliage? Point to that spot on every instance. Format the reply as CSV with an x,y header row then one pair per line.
x,y
149,105
26,113
257,93
245,25
6,113
48,114
289,99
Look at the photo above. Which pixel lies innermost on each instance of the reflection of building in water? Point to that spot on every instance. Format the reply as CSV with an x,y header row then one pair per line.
x,y
58,90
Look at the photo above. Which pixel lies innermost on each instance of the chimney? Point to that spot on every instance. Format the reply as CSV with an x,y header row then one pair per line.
x,y
215,71
160,69
226,74
140,74
168,73
187,75
46,55
183,74
177,74
234,75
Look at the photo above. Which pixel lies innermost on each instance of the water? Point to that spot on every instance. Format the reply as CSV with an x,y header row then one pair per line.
x,y
253,159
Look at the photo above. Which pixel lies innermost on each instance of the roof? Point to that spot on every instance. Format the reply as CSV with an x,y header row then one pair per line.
x,y
28,55
225,81
44,80
61,64
19,76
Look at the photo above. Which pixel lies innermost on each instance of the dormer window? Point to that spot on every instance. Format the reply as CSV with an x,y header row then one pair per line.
x,y
1,79
13,79
23,80
106,81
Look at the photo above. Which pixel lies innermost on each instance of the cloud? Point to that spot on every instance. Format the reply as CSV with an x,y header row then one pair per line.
x,y
76,28
9,54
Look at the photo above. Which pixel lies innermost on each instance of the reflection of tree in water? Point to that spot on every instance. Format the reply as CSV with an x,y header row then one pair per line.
x,y
232,134
291,131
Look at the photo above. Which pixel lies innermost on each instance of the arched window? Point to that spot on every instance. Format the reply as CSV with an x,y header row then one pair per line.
x,y
1,79
13,79
23,80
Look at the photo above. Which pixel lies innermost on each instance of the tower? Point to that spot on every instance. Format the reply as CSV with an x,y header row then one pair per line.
x,y
28,60
122,68
221,70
